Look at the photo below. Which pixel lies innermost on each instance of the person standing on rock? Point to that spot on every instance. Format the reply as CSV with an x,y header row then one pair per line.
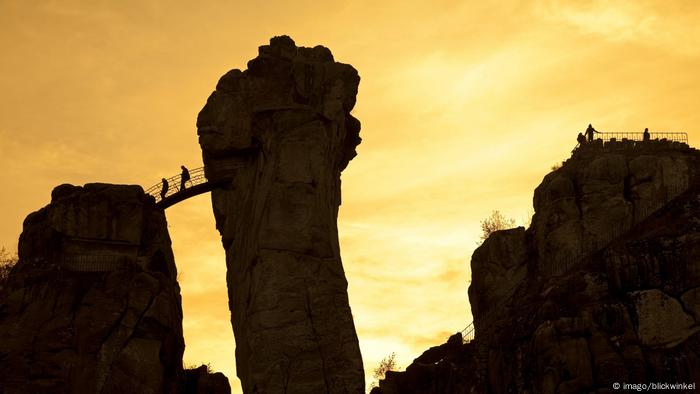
x,y
184,177
646,136
164,190
589,132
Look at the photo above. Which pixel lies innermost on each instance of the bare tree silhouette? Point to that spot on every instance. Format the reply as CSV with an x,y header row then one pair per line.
x,y
495,222
387,364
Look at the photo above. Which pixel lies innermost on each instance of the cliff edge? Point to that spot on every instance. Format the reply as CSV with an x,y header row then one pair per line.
x,y
93,304
602,288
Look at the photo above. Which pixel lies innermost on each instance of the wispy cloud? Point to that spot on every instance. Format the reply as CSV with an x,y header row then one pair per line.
x,y
464,108
667,25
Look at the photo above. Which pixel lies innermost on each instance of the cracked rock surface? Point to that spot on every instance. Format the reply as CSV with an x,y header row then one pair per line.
x,y
603,287
283,130
93,305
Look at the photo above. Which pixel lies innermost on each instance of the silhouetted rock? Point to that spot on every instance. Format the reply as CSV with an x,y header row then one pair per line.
x,y
283,128
93,305
602,288
602,192
502,265
202,381
448,368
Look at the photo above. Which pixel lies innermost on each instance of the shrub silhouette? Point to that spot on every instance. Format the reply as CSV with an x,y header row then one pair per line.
x,y
495,222
7,261
387,364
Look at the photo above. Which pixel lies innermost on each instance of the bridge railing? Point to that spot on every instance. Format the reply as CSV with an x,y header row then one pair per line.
x,y
174,184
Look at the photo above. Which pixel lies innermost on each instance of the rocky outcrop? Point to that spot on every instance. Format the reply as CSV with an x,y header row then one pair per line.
x,y
283,131
602,288
448,368
504,256
601,193
202,380
93,305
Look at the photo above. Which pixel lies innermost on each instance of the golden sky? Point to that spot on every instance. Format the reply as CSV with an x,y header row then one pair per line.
x,y
464,107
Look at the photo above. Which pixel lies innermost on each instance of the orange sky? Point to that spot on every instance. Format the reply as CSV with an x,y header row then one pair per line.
x,y
464,107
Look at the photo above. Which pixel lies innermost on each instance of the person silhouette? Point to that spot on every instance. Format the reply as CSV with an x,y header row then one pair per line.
x,y
184,177
589,132
646,135
581,139
164,190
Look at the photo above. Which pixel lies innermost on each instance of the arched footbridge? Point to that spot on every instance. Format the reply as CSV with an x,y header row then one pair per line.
x,y
177,190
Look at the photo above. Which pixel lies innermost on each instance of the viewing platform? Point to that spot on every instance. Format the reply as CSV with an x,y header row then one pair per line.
x,y
637,136
633,140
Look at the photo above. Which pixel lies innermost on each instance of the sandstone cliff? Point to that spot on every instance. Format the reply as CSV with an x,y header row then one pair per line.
x,y
602,288
283,131
93,305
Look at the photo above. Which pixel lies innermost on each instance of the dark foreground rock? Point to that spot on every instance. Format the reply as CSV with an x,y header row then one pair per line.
x,y
93,305
448,368
283,130
202,380
601,289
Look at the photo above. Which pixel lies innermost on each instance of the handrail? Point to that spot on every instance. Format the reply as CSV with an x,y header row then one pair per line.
x,y
197,177
468,333
636,137
639,136
197,184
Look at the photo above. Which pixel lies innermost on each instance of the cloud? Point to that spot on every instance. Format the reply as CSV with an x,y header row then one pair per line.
x,y
464,107
668,25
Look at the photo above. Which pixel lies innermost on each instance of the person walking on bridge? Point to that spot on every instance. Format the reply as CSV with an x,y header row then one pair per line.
x,y
184,177
589,132
646,135
164,190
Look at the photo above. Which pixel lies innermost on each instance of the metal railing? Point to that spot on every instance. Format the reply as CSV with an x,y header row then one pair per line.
x,y
95,263
637,136
568,261
468,333
175,186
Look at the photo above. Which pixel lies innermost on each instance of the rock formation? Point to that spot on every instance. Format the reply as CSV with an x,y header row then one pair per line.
x,y
283,130
93,304
202,380
602,288
448,368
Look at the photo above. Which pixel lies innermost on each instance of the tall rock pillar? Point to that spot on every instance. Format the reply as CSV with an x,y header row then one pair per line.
x,y
283,132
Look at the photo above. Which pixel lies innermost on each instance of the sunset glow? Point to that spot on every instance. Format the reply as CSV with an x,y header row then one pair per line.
x,y
464,106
